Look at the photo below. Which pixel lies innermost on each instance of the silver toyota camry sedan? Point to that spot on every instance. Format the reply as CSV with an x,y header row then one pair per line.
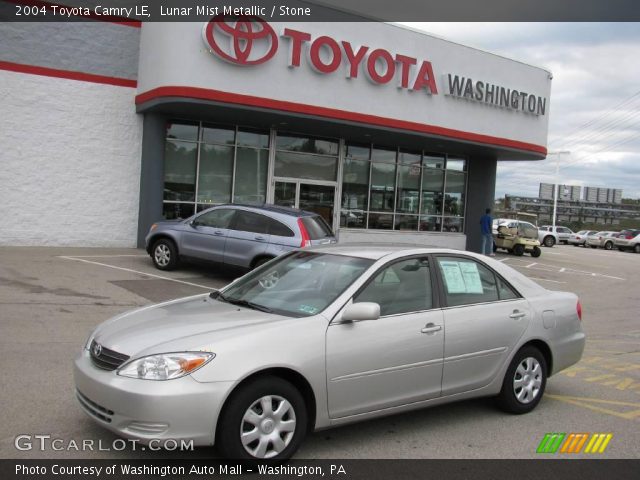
x,y
323,337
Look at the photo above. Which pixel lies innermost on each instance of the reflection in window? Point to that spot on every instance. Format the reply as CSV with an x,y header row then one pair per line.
x,y
180,170
173,211
380,221
251,175
216,171
408,188
300,165
355,190
295,143
383,183
225,136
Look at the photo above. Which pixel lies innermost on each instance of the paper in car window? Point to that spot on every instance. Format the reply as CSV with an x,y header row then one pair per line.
x,y
461,277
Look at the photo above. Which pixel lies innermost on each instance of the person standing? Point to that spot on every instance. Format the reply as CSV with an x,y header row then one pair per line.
x,y
486,222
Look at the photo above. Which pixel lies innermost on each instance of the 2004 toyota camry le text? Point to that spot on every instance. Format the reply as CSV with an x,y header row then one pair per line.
x,y
326,336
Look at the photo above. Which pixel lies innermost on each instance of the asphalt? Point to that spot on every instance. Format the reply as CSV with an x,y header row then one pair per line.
x,y
51,298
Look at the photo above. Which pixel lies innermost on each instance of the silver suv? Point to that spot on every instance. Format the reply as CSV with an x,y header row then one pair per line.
x,y
235,235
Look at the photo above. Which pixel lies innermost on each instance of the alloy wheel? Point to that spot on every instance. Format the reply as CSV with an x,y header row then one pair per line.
x,y
162,255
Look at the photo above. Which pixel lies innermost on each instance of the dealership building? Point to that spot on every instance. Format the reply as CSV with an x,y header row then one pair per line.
x,y
389,133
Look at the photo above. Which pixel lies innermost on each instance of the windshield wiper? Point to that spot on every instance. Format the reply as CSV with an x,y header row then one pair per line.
x,y
241,303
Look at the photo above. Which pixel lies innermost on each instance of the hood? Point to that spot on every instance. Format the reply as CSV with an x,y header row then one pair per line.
x,y
151,329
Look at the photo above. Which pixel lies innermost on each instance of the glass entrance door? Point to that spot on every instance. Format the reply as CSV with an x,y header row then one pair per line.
x,y
318,198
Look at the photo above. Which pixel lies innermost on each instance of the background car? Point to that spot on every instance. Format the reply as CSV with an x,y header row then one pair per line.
x,y
562,233
602,239
326,336
628,240
235,235
580,237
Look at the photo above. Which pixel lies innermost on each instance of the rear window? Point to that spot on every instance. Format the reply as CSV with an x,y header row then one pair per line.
x,y
316,227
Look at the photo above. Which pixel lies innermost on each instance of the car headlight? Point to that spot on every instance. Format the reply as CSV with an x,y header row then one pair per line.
x,y
166,366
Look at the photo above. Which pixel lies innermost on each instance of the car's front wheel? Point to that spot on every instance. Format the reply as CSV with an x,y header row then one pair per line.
x,y
264,419
636,248
608,246
524,382
164,254
549,241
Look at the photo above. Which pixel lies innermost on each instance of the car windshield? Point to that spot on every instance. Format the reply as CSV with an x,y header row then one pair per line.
x,y
299,284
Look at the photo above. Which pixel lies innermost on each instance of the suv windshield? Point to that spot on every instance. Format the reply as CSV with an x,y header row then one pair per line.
x,y
299,284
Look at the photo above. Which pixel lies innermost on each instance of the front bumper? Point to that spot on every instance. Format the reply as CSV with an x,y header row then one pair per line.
x,y
179,409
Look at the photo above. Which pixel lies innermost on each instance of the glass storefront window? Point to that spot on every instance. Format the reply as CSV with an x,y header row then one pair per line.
x,y
432,187
430,224
247,138
452,224
251,175
454,196
216,172
182,131
383,187
180,160
297,143
457,164
408,188
406,222
432,160
385,155
380,221
409,158
225,136
172,211
360,152
300,165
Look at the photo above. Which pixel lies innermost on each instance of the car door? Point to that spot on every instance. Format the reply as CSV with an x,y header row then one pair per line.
x,y
484,317
395,359
206,235
248,238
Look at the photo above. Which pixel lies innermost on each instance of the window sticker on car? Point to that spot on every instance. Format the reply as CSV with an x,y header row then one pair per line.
x,y
461,277
310,309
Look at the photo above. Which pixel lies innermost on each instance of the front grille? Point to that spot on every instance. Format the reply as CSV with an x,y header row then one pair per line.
x,y
93,409
104,358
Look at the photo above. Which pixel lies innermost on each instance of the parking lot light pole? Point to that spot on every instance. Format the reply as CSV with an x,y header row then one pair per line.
x,y
556,186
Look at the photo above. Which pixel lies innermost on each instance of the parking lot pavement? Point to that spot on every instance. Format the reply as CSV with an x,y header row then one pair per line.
x,y
51,298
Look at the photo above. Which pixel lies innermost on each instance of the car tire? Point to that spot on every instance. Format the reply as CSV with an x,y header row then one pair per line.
x,y
518,250
245,408
549,241
636,248
524,382
536,252
608,246
164,254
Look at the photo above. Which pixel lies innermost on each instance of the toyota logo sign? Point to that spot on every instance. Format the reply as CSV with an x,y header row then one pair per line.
x,y
97,349
246,40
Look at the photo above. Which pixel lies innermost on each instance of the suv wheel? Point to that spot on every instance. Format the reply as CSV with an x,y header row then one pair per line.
x,y
549,241
608,245
164,254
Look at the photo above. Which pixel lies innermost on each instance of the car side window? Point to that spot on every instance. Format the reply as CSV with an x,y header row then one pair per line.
x,y
402,287
467,281
220,218
505,292
250,222
279,229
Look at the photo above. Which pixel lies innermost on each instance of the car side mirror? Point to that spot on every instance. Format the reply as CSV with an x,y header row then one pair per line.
x,y
193,224
361,311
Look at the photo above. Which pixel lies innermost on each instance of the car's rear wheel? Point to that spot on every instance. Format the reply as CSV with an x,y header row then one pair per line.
x,y
636,248
518,250
264,419
164,254
549,241
536,252
608,246
524,382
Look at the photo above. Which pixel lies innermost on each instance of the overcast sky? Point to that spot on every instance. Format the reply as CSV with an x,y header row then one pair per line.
x,y
596,67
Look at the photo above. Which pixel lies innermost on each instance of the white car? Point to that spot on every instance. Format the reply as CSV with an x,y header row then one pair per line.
x,y
580,238
563,234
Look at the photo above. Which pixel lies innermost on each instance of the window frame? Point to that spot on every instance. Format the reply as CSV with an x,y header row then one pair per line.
x,y
215,210
442,287
435,294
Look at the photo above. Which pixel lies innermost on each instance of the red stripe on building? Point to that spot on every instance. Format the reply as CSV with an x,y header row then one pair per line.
x,y
101,18
67,74
250,100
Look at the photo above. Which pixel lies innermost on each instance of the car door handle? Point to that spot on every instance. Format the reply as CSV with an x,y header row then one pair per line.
x,y
516,314
260,238
218,233
431,328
